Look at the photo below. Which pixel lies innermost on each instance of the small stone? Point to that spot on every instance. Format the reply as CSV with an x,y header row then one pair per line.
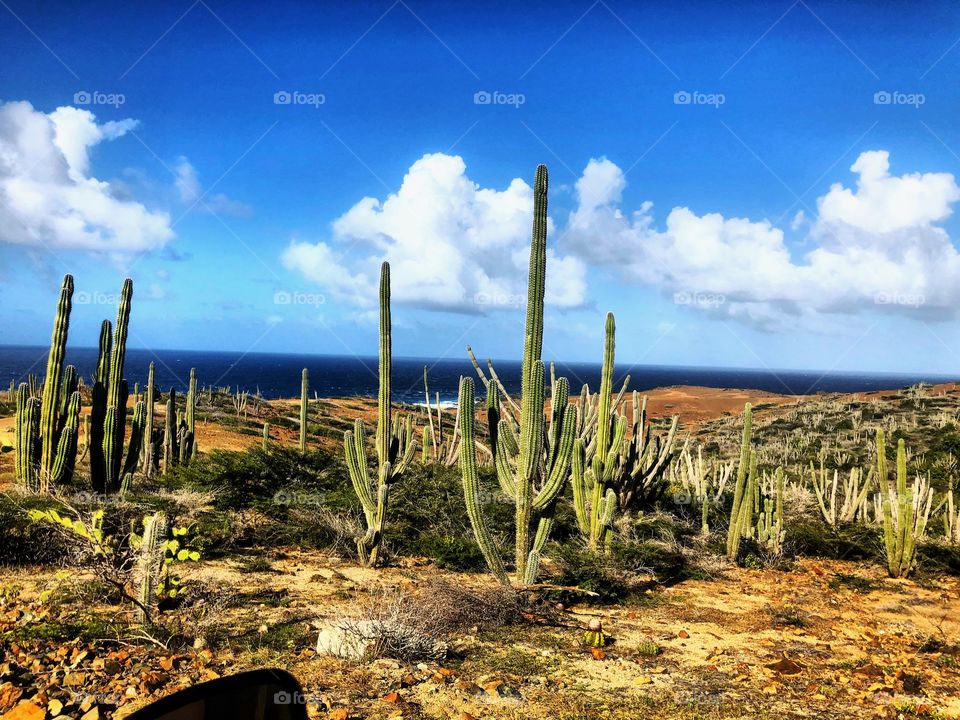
x,y
92,714
54,707
9,694
26,710
683,634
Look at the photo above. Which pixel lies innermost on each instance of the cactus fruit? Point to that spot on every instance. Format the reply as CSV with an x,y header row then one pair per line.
x,y
395,444
304,395
906,509
48,419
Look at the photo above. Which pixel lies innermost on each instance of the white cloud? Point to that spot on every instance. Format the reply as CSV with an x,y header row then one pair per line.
x,y
191,193
876,246
47,197
450,244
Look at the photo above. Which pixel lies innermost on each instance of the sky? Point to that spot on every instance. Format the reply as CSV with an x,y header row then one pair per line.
x,y
766,185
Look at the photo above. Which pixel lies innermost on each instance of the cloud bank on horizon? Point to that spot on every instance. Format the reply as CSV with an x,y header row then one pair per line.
x,y
459,247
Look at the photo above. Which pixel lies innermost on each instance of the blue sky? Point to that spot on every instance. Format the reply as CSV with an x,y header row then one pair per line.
x,y
700,158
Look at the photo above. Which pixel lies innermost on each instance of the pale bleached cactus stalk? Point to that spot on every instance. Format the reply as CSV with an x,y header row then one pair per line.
x,y
304,400
742,508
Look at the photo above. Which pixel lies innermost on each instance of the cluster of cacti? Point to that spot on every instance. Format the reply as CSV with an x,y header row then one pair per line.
x,y
841,503
532,458
437,446
906,509
769,530
395,443
700,481
615,468
108,468
240,403
47,427
180,428
304,401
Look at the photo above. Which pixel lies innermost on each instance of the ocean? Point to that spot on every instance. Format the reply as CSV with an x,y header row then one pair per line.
x,y
278,375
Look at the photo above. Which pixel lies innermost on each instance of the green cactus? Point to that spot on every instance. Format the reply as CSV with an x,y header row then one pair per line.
x,y
532,459
108,414
150,556
304,393
170,437
611,469
149,433
48,419
906,510
741,511
395,444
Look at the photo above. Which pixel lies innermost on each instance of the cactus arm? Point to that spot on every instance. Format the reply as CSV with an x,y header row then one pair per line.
x,y
561,467
471,484
49,419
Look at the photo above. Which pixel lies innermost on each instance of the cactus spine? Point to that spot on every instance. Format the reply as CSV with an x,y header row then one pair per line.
x,y
304,394
906,509
47,427
395,444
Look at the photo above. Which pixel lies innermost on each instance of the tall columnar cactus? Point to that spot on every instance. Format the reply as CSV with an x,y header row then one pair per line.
x,y
186,424
109,412
741,512
171,451
532,459
266,436
395,444
47,427
906,509
149,433
304,400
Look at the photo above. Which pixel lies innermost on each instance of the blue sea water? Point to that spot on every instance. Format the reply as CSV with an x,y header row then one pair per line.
x,y
278,375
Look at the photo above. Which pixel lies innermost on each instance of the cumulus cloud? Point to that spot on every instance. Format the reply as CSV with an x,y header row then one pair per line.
x,y
878,245
47,196
191,193
451,244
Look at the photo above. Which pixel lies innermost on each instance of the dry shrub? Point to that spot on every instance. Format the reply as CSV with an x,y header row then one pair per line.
x,y
414,626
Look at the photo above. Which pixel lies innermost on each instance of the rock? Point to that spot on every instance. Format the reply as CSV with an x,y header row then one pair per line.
x,y
92,714
465,686
75,679
338,714
345,639
786,666
27,710
350,639
683,634
54,707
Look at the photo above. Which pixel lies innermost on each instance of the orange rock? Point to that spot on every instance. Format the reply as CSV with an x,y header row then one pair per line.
x,y
9,694
683,634
598,653
338,714
391,697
